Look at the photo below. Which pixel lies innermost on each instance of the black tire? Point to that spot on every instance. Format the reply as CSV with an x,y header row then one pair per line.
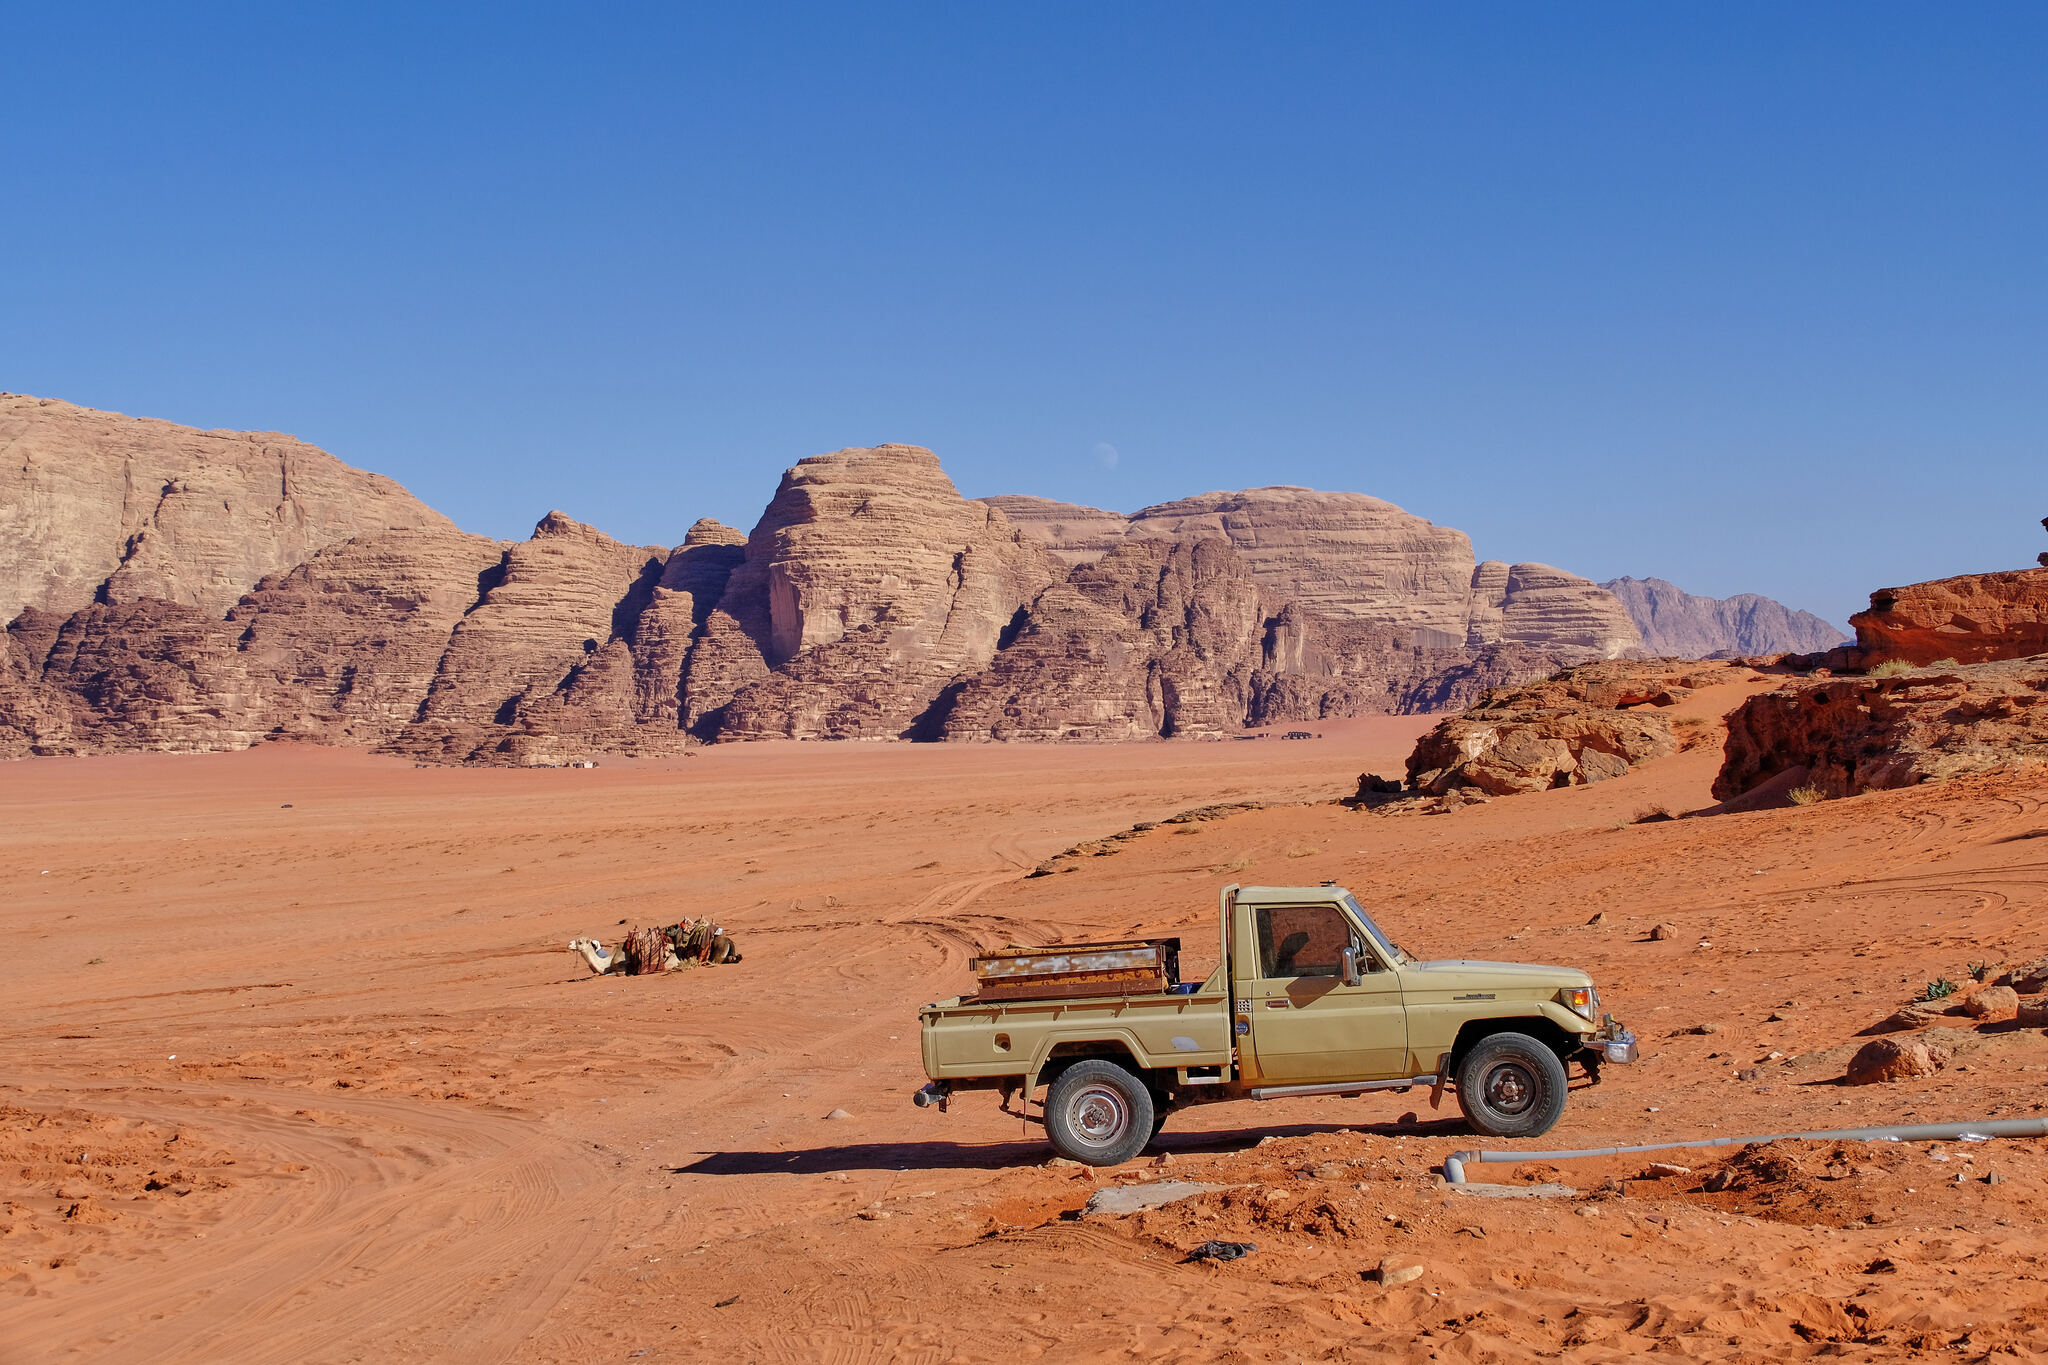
x,y
1511,1086
1098,1113
1160,1112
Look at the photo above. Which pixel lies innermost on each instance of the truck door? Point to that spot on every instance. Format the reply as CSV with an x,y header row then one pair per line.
x,y
1306,1024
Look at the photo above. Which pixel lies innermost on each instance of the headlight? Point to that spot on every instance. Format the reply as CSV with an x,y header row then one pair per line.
x,y
1583,1001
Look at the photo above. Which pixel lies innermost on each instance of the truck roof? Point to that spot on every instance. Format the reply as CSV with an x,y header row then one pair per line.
x,y
1267,894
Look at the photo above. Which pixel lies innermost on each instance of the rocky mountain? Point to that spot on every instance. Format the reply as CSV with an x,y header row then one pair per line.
x,y
1349,557
95,506
1676,624
182,590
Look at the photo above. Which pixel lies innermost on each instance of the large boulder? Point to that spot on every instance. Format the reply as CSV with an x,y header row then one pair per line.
x,y
1858,734
1582,725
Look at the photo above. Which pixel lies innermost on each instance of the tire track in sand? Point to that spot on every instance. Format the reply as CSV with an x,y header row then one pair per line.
x,y
381,1249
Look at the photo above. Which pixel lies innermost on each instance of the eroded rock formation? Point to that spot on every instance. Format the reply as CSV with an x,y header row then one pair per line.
x,y
263,590
1677,624
1154,639
1843,736
1973,618
869,585
1351,558
1582,725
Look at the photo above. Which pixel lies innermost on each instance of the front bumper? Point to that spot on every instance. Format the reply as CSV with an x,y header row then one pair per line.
x,y
1613,1043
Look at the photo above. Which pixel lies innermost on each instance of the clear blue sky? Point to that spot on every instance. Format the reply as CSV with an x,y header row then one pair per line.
x,y
1750,297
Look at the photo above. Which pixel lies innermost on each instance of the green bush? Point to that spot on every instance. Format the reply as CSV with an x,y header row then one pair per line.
x,y
1940,988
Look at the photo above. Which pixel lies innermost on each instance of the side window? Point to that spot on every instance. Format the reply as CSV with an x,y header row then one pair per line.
x,y
1303,940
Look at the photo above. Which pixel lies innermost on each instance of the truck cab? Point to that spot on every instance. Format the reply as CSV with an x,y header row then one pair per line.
x,y
1310,996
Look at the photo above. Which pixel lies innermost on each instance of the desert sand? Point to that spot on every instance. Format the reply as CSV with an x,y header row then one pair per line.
x,y
297,1067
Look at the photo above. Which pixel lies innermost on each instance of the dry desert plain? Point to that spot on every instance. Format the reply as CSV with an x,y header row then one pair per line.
x,y
297,1068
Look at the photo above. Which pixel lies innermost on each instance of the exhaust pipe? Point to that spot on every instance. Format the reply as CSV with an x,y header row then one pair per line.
x,y
1454,1165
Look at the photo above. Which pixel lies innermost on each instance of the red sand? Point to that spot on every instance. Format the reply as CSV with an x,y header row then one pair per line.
x,y
387,1116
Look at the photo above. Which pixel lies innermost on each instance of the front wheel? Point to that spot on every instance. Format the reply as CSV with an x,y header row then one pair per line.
x,y
1099,1114
1511,1086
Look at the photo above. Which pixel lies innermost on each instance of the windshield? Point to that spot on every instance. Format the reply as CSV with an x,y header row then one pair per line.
x,y
1392,948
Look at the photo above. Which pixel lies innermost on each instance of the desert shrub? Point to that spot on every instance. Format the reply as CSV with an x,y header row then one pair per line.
x,y
1688,722
1940,988
1302,852
1806,795
1944,663
1891,668
1237,864
1652,814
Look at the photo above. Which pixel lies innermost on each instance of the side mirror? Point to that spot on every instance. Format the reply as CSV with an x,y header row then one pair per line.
x,y
1351,976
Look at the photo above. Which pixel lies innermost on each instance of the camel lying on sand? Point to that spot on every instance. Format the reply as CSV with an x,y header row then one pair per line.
x,y
688,943
601,961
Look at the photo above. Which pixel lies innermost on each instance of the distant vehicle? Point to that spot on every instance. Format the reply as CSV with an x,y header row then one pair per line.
x,y
1310,997
1299,734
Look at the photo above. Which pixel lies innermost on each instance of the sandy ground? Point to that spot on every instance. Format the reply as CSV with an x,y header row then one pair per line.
x,y
296,1067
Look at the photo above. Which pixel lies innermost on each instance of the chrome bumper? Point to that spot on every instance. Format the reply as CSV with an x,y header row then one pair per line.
x,y
1613,1043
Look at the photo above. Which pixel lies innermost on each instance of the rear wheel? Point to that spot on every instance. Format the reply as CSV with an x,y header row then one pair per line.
x,y
1098,1113
1511,1086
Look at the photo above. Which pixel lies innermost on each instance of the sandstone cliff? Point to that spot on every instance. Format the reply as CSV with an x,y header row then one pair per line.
x,y
556,600
1676,624
869,585
1349,557
95,505
1154,639
870,601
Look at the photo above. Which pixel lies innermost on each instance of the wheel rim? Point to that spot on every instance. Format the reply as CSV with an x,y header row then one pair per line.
x,y
1510,1088
1101,1115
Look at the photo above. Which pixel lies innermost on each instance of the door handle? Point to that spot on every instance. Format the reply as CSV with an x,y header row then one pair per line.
x,y
1276,1004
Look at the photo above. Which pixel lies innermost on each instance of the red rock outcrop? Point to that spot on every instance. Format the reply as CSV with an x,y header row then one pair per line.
x,y
1844,736
1583,725
1154,639
1676,624
1974,618
99,506
869,586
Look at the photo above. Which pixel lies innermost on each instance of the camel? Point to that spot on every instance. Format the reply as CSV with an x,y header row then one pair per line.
x,y
601,961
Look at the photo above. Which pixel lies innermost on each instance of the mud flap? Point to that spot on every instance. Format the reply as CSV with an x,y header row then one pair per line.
x,y
1443,1078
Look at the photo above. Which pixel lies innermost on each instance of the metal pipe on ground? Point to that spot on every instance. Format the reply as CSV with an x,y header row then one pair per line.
x,y
1454,1164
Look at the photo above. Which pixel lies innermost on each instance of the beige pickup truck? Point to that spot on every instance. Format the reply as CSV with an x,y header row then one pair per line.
x,y
1309,997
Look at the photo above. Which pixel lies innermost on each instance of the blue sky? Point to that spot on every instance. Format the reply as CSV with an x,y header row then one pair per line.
x,y
1750,297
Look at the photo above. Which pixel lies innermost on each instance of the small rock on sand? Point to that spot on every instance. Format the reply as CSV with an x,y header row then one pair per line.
x,y
1392,1271
1661,932
838,1114
1662,1170
1890,1059
1136,1198
1993,1002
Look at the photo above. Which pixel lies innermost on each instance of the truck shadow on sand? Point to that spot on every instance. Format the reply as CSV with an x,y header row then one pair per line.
x,y
993,1156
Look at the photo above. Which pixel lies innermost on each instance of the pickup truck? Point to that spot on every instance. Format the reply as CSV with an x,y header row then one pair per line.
x,y
1309,997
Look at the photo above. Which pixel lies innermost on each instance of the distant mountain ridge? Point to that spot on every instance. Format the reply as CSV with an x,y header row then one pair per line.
x,y
185,591
1681,625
